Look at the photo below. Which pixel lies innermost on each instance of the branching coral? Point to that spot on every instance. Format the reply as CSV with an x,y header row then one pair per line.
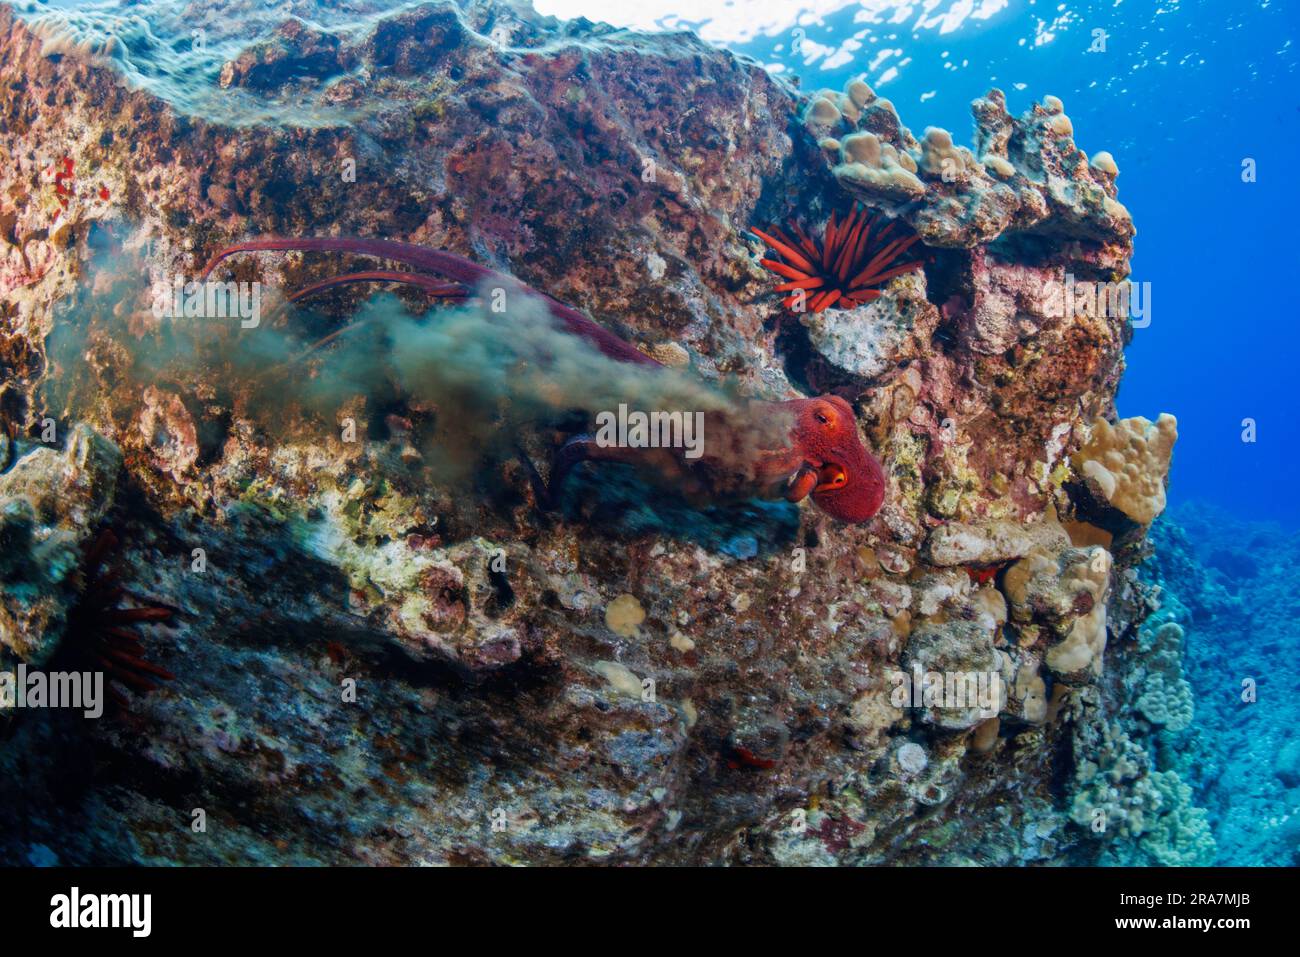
x,y
846,269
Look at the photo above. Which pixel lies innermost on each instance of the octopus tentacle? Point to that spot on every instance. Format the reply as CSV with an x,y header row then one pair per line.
x,y
430,285
443,264
825,459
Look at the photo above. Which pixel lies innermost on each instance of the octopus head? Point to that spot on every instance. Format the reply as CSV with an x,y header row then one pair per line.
x,y
845,480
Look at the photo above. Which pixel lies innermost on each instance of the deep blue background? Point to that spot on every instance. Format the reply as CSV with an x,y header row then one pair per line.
x,y
1179,98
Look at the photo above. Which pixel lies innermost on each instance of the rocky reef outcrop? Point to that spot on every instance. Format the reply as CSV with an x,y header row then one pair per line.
x,y
379,659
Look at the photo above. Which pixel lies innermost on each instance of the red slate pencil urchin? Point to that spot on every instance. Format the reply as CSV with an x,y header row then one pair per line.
x,y
846,270
103,631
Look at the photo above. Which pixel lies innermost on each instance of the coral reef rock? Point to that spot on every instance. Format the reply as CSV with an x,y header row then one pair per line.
x,y
380,659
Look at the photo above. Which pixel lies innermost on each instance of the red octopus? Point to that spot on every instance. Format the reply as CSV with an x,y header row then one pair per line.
x,y
824,457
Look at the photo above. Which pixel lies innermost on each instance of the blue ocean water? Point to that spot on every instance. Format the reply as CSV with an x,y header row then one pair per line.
x,y
1182,93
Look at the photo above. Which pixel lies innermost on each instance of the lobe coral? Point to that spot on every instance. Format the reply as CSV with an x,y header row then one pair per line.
x,y
848,266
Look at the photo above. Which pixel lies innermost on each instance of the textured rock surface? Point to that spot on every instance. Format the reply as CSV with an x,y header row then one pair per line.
x,y
52,500
1029,179
374,664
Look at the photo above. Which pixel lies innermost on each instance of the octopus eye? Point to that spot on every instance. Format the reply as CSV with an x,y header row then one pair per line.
x,y
831,477
822,417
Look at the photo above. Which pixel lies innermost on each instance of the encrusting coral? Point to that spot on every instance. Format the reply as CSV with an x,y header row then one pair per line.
x,y
51,501
1061,597
1023,174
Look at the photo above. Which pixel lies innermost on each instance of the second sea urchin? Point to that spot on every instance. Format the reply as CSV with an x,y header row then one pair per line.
x,y
104,631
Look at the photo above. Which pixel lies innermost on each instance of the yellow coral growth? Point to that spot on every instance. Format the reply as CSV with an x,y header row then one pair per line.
x,y
1128,462
624,615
